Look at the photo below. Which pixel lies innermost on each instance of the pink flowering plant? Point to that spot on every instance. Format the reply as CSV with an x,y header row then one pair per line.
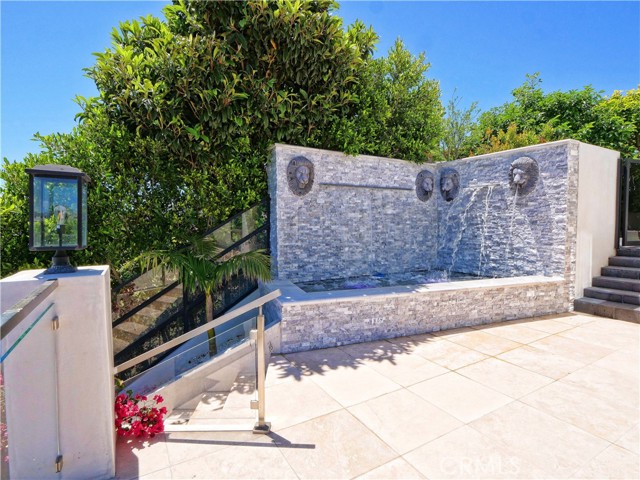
x,y
137,416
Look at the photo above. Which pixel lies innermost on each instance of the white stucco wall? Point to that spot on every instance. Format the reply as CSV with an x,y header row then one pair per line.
x,y
597,198
85,378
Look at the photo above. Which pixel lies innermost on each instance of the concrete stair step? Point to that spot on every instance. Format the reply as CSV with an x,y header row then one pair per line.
x,y
229,408
624,262
613,295
119,345
124,335
132,327
617,283
604,308
629,251
621,272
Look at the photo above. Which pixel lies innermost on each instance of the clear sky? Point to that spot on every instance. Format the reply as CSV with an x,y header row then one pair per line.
x,y
482,49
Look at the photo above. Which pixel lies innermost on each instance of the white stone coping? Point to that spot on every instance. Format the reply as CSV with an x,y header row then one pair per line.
x,y
291,293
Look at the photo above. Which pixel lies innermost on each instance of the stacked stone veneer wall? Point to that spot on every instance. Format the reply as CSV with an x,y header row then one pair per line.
x,y
362,216
312,322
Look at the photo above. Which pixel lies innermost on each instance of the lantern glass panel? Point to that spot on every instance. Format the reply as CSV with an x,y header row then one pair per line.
x,y
83,242
55,212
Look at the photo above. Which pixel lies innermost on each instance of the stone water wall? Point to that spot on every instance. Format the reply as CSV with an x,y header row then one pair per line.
x,y
365,215
360,216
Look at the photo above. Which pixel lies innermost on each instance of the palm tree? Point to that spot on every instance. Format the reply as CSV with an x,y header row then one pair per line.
x,y
201,267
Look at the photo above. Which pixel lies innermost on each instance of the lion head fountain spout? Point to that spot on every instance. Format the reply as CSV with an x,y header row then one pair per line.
x,y
449,184
523,175
425,185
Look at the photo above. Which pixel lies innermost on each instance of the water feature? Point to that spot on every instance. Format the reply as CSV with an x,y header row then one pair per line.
x,y
424,277
379,247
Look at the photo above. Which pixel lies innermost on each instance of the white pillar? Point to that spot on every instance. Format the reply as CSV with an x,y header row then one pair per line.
x,y
83,353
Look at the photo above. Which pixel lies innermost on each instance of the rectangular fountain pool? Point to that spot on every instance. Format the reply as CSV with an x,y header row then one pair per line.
x,y
329,318
422,277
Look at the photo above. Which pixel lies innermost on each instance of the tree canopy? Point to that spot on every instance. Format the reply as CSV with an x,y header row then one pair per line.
x,y
586,115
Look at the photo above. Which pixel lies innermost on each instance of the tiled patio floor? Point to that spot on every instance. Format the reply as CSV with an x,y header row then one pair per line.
x,y
555,397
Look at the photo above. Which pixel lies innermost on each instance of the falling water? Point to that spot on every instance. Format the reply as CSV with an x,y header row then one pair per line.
x,y
485,217
513,217
463,226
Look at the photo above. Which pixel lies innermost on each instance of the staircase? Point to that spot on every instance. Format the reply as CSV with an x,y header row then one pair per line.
x,y
229,410
127,332
616,293
150,309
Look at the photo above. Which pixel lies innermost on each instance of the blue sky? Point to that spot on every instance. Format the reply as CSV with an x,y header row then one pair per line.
x,y
482,49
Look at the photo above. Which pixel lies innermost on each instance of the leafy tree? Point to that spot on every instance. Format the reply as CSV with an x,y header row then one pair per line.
x,y
584,115
219,82
398,112
458,128
133,205
178,137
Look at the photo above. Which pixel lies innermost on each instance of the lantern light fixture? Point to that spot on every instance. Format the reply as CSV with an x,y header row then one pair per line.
x,y
57,213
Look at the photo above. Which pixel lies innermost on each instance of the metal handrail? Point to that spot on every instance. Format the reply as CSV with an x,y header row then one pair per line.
x,y
12,317
197,331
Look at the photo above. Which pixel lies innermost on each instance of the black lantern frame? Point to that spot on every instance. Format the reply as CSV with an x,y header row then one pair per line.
x,y
46,182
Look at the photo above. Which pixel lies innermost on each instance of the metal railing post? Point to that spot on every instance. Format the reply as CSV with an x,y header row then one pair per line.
x,y
261,426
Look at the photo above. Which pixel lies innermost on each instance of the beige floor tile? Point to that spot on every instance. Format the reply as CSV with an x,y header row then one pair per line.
x,y
631,440
549,325
320,361
404,420
184,446
447,354
466,453
138,457
614,463
606,335
251,462
164,474
339,446
463,398
576,405
452,332
395,362
350,386
517,332
574,318
290,403
505,377
395,469
607,384
280,370
541,361
540,440
485,343
625,362
573,349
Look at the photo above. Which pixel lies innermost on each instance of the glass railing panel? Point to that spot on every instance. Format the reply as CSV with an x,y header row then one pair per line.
x,y
240,226
4,432
224,393
128,296
31,347
156,313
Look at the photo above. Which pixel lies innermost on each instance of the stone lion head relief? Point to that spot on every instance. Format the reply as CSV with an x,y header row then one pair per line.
x,y
300,175
425,184
449,184
523,175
